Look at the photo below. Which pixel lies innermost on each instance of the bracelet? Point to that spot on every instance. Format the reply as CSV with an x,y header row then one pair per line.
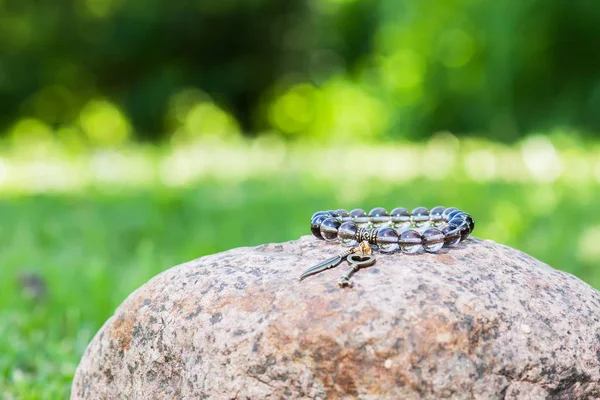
x,y
398,230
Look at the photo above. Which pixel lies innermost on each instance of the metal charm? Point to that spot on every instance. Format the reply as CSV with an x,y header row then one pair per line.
x,y
357,261
363,249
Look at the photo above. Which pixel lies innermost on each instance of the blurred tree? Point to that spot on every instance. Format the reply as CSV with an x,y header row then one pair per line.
x,y
464,65
140,52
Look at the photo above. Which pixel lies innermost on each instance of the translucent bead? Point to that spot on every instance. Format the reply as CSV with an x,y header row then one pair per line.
x,y
400,216
347,234
463,226
452,234
317,214
471,223
457,220
464,232
379,216
435,215
359,216
433,240
343,214
455,213
387,240
420,216
329,229
447,211
315,225
410,241
333,213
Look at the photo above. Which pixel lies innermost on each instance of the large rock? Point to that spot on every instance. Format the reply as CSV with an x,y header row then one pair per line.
x,y
479,321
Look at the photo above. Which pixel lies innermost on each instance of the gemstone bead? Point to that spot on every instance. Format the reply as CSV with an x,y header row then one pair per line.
x,y
436,214
447,211
315,224
400,216
433,240
464,232
387,240
456,213
347,234
452,234
471,223
318,213
333,213
379,216
462,224
410,241
329,229
343,214
457,220
420,216
359,216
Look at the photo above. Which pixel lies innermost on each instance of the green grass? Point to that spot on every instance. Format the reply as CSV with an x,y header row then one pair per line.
x,y
90,251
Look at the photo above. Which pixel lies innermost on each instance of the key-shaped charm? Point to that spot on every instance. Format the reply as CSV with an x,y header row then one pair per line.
x,y
356,261
363,249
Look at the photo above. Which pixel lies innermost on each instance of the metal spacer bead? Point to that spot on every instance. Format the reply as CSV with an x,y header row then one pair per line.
x,y
366,234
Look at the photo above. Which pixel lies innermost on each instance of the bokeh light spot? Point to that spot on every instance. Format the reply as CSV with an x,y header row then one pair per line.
x,y
3,171
104,124
541,159
456,48
101,8
355,115
404,70
480,165
293,111
207,119
440,155
182,102
30,132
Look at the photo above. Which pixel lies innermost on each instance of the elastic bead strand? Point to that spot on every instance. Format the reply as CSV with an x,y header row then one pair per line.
x,y
398,229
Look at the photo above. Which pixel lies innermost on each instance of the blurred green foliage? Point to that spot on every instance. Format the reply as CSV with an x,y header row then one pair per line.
x,y
323,68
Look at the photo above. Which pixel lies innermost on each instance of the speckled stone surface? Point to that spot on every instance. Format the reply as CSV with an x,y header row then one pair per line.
x,y
480,321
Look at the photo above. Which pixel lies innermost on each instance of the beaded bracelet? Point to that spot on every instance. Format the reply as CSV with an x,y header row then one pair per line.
x,y
408,231
390,231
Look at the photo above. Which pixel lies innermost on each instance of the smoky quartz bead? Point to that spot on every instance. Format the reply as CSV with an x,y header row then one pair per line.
x,y
410,241
456,213
399,216
359,217
379,216
435,215
461,222
319,213
387,240
464,232
457,220
329,229
315,224
347,234
447,211
433,240
420,216
452,234
343,214
333,213
471,223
